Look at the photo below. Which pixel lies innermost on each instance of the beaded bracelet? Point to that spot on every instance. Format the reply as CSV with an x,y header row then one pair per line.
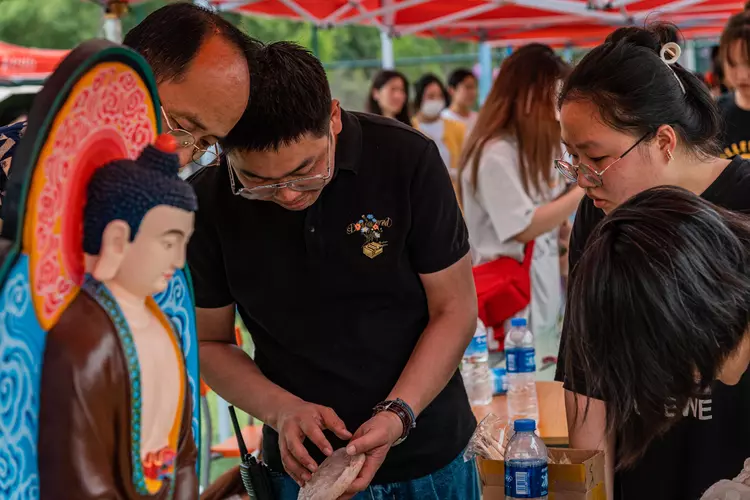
x,y
404,413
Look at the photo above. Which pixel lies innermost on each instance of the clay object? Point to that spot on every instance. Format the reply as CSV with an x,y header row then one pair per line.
x,y
333,476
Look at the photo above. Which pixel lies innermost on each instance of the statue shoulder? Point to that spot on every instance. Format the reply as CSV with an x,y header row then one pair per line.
x,y
85,329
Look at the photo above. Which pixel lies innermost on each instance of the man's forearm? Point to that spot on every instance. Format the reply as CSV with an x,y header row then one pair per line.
x,y
229,371
435,358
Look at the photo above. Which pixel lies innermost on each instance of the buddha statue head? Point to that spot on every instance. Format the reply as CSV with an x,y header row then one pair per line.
x,y
137,220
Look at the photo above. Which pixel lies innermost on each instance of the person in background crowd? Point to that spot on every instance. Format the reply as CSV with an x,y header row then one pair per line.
x,y
735,106
203,79
429,101
715,78
631,120
359,297
462,87
389,96
510,191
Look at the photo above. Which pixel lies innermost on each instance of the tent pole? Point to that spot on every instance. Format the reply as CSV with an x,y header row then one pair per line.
x,y
690,58
485,71
568,54
315,41
386,49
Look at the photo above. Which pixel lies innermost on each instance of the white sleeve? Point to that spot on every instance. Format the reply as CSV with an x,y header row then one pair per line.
x,y
500,191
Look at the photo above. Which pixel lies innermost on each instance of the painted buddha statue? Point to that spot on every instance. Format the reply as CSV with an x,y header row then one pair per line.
x,y
115,418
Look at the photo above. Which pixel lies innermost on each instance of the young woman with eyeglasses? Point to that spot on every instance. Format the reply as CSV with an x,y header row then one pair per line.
x,y
633,118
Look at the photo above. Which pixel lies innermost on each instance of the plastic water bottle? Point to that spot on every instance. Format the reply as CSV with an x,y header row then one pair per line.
x,y
521,367
526,473
475,368
500,380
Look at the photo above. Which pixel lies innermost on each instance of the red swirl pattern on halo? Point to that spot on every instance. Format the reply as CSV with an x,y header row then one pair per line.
x,y
114,102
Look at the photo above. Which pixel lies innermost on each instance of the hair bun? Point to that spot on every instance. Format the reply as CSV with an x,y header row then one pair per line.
x,y
652,37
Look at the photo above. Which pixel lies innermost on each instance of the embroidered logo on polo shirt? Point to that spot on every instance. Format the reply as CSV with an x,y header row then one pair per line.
x,y
372,230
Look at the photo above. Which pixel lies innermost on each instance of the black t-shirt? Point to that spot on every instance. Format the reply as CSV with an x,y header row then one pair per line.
x,y
735,137
713,441
334,321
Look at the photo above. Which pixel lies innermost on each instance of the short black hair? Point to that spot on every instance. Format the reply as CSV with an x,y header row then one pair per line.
x,y
170,37
458,76
422,84
658,301
636,92
290,98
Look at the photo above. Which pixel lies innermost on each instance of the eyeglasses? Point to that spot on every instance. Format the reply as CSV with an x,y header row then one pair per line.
x,y
594,176
311,183
208,157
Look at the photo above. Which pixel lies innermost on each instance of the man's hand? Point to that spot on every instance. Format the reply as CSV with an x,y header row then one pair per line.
x,y
298,420
374,439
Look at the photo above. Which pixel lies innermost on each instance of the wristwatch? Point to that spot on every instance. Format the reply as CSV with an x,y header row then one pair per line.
x,y
404,412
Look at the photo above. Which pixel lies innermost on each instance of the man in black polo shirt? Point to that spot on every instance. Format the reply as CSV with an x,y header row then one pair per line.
x,y
338,238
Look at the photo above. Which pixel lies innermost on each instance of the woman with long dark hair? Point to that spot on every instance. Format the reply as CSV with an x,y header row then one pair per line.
x,y
667,276
633,118
389,96
511,193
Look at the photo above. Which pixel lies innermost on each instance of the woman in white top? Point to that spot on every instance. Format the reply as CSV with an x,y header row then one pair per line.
x,y
510,191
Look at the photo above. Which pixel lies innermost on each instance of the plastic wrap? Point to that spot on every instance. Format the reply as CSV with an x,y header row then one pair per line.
x,y
738,489
489,439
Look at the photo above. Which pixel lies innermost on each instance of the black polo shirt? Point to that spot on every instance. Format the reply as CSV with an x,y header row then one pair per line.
x,y
333,318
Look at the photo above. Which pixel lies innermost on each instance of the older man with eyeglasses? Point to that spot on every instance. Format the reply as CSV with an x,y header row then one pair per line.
x,y
203,80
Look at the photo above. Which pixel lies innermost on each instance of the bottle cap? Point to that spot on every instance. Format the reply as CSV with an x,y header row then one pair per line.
x,y
524,425
515,322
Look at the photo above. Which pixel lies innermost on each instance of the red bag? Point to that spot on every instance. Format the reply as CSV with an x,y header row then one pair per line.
x,y
503,289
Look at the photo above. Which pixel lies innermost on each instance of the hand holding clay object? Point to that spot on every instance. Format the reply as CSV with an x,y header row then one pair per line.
x,y
333,477
297,421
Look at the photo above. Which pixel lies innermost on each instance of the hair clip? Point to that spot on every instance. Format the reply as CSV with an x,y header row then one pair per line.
x,y
670,52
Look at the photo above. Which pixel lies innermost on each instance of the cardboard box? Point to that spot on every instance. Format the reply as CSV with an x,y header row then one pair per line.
x,y
582,479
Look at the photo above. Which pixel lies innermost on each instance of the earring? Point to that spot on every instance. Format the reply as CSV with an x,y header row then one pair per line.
x,y
669,155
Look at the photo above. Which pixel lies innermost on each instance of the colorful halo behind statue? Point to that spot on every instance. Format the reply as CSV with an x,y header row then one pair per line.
x,y
100,105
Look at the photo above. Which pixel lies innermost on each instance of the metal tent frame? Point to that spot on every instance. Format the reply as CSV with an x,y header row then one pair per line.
x,y
493,23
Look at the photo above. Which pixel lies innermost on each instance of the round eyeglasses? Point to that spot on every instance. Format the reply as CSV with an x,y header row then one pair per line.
x,y
208,157
267,192
591,174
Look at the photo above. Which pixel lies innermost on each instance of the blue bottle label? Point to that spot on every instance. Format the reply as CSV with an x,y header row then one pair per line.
x,y
524,480
500,380
478,345
520,360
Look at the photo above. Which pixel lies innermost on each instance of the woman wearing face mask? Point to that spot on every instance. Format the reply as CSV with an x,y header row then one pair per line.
x,y
633,118
430,100
389,96
510,190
